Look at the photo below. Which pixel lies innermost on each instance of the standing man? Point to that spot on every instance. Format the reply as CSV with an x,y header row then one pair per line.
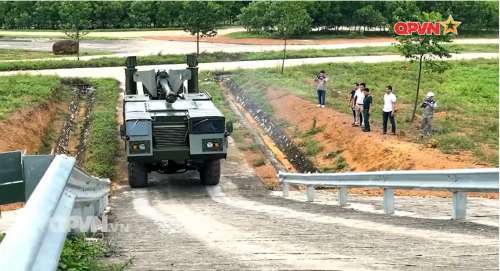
x,y
359,96
321,80
366,109
389,109
428,106
351,102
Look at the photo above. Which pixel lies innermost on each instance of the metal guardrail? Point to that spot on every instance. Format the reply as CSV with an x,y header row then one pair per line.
x,y
36,239
458,181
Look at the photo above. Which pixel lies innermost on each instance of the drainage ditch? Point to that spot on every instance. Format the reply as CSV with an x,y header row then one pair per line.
x,y
294,154
77,124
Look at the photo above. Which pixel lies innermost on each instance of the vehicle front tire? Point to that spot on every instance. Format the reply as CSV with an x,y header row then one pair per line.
x,y
210,172
137,175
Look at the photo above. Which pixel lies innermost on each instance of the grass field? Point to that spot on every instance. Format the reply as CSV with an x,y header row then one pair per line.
x,y
20,54
22,91
467,96
220,57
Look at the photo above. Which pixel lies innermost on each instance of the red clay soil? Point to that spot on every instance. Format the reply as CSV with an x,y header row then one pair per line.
x,y
26,128
363,151
263,41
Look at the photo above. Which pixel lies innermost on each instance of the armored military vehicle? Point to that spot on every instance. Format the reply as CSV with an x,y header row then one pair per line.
x,y
170,126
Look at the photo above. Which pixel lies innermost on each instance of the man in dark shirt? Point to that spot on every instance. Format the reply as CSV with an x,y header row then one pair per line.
x,y
351,101
367,102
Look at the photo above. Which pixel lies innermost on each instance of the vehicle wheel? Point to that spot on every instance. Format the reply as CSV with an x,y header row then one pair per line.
x,y
137,175
210,172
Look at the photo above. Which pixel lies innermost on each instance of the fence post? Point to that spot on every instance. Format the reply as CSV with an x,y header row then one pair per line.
x,y
459,205
389,201
310,193
342,195
285,189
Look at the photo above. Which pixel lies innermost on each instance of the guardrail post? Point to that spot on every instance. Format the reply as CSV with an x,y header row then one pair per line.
x,y
342,194
310,193
459,205
285,189
389,201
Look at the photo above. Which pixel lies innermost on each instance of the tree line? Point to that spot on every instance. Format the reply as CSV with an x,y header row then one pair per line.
x,y
107,14
359,16
255,16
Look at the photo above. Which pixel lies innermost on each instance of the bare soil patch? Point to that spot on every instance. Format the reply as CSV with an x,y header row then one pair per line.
x,y
26,128
269,41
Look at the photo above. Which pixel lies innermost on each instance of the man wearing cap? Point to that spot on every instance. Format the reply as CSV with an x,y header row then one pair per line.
x,y
428,107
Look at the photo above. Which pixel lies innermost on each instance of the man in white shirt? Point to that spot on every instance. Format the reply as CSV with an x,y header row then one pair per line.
x,y
359,96
389,109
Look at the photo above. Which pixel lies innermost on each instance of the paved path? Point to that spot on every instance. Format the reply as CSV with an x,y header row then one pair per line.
x,y
118,72
179,224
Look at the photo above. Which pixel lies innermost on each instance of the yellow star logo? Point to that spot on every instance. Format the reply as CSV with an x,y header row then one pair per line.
x,y
450,26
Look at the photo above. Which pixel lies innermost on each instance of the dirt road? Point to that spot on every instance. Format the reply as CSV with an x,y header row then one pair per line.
x,y
159,46
178,224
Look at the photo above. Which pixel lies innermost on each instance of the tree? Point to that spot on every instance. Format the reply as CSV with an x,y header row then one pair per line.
x,y
45,15
142,13
290,18
200,19
167,13
425,49
369,16
256,18
75,19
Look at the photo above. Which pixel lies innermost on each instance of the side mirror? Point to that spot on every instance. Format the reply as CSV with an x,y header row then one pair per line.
x,y
122,130
229,128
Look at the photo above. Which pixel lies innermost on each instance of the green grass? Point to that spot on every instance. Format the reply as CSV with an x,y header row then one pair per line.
x,y
467,96
311,147
103,139
221,57
80,254
21,54
23,91
208,84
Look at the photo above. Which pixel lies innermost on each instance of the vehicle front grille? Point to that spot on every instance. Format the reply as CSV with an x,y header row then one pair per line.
x,y
169,134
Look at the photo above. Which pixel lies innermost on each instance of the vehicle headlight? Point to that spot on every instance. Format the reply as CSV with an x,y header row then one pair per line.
x,y
138,147
212,144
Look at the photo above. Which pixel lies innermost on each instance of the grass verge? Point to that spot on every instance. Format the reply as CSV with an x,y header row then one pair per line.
x,y
103,139
82,254
22,91
467,96
221,57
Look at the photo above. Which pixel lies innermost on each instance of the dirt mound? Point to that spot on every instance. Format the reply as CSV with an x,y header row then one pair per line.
x,y
26,128
362,151
263,41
